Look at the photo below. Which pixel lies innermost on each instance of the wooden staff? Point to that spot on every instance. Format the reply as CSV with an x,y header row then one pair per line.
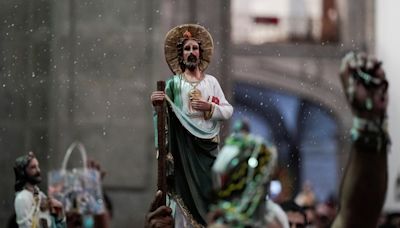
x,y
162,153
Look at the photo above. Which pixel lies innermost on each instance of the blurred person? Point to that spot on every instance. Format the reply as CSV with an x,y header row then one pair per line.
x,y
306,200
325,214
196,106
364,182
33,208
296,216
240,174
311,215
103,220
306,197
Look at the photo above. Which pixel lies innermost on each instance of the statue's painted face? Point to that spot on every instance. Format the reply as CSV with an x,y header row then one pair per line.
x,y
191,54
33,172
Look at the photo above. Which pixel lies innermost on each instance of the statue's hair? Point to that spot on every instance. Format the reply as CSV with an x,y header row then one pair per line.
x,y
20,170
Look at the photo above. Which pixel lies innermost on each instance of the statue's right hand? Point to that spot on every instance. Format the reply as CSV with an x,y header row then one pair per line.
x,y
157,96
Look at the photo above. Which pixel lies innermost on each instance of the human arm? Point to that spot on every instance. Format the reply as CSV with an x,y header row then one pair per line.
x,y
364,182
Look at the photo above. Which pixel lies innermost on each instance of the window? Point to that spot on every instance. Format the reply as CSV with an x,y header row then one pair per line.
x,y
263,21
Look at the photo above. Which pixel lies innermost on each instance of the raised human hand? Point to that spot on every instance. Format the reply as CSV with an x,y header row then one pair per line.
x,y
365,85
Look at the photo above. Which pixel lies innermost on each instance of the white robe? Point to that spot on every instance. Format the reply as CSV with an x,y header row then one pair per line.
x,y
28,211
209,87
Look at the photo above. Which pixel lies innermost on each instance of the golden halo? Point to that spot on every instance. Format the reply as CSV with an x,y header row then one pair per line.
x,y
197,32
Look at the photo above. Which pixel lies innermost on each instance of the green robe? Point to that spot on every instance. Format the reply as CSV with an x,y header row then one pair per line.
x,y
194,154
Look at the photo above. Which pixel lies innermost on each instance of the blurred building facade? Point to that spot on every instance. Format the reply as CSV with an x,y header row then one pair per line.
x,y
84,70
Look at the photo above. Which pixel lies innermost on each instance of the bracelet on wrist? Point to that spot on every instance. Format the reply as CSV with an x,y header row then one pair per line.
x,y
370,135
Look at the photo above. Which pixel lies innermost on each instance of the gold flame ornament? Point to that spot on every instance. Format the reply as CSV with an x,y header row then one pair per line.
x,y
194,94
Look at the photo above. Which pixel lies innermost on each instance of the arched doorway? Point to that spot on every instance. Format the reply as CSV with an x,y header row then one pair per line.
x,y
305,133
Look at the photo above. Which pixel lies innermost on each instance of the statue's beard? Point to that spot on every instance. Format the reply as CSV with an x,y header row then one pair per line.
x,y
191,63
34,180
